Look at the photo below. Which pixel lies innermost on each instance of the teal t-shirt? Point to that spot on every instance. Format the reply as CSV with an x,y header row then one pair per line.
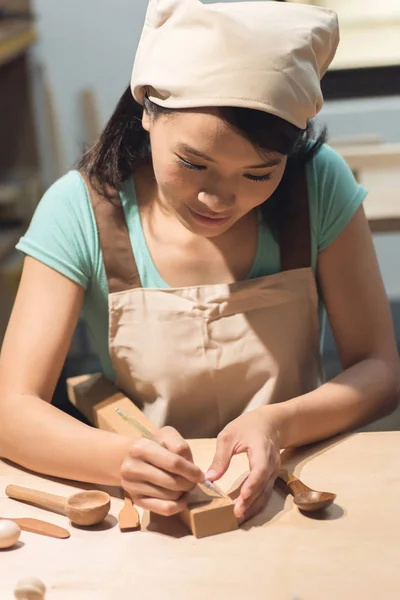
x,y
63,235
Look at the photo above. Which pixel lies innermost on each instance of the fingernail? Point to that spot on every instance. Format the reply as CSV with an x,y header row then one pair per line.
x,y
211,474
239,514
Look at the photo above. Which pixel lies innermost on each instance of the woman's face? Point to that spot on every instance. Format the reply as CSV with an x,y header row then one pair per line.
x,y
207,174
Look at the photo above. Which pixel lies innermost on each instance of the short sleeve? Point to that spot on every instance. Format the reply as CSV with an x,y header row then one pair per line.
x,y
62,231
335,195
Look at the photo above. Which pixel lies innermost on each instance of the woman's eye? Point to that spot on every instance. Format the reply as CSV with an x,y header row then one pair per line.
x,y
189,165
266,177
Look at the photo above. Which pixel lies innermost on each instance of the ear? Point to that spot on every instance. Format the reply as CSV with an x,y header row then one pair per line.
x,y
146,121
159,11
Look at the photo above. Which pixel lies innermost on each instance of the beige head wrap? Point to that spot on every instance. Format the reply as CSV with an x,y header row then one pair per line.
x,y
264,55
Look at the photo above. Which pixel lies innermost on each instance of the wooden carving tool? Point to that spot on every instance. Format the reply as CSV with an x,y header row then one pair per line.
x,y
40,527
205,498
147,434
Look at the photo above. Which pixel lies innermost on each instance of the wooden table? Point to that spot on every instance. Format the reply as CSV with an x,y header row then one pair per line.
x,y
353,553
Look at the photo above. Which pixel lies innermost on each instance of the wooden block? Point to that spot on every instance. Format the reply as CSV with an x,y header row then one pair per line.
x,y
211,518
96,398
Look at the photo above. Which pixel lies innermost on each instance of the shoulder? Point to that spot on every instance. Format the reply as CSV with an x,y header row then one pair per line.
x,y
69,190
334,195
63,231
67,201
328,164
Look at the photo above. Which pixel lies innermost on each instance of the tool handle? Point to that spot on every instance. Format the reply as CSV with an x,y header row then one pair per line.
x,y
287,477
293,483
42,499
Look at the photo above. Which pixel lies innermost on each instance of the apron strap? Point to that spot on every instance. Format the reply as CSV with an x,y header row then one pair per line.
x,y
294,222
119,261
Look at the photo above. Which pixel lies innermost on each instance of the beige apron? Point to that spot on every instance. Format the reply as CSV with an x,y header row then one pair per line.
x,y
196,358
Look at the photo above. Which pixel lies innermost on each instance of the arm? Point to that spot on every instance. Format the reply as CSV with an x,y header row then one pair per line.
x,y
34,433
40,437
367,388
361,323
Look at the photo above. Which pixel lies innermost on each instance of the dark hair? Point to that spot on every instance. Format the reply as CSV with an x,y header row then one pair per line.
x,y
124,143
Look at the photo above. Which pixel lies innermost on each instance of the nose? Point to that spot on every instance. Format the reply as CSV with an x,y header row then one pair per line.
x,y
216,203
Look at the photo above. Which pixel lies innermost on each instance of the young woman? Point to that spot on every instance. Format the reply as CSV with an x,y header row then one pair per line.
x,y
204,235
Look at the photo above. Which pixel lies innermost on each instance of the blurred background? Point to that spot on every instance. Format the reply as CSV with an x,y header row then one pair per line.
x,y
64,65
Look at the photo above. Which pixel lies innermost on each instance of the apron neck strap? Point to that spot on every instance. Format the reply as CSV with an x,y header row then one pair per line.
x,y
119,262
293,221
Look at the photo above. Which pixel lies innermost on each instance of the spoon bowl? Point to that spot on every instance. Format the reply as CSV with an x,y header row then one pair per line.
x,y
313,501
305,498
87,508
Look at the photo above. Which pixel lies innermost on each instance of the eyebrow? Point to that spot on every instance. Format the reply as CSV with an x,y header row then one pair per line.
x,y
272,162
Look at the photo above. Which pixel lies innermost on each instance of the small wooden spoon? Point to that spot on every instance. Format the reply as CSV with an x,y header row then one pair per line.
x,y
84,508
128,517
305,498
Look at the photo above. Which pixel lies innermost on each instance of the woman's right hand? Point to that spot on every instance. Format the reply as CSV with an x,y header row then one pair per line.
x,y
157,477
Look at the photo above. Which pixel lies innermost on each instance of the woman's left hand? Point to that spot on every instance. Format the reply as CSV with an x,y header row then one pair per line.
x,y
257,435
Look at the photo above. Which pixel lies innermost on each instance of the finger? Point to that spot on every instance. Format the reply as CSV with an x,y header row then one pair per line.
x,y
136,471
153,491
261,466
222,457
164,459
174,442
242,505
258,504
167,508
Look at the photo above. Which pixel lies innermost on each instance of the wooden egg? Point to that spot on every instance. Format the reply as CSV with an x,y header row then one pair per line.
x,y
30,589
9,533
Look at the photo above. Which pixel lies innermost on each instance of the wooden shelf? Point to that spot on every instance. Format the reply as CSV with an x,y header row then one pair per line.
x,y
377,167
368,44
8,240
15,38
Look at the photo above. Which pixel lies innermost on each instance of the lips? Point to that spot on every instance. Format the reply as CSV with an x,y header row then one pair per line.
x,y
208,221
214,216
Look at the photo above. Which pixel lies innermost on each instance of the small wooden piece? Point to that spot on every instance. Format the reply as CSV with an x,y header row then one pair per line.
x,y
98,399
83,509
41,527
30,589
128,518
305,498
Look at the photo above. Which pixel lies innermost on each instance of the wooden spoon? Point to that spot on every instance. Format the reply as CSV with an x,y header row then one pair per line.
x,y
84,508
128,517
305,498
40,527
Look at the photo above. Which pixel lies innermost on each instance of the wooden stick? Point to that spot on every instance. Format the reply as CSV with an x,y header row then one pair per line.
x,y
97,399
90,117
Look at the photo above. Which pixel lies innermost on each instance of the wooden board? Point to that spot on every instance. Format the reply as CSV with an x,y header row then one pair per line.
x,y
352,553
369,33
15,38
96,398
